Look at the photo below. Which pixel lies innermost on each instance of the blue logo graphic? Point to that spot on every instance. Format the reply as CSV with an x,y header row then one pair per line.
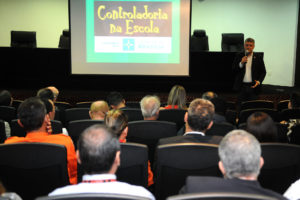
x,y
128,44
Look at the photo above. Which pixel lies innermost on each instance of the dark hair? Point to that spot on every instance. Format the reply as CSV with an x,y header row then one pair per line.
x,y
200,114
117,120
45,93
250,40
220,105
48,105
32,113
114,98
295,100
262,126
5,98
209,95
97,149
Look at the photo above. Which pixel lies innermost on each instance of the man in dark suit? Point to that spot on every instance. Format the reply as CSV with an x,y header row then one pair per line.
x,y
198,120
240,163
250,72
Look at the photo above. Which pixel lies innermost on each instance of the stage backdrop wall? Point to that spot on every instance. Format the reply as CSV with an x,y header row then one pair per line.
x,y
273,23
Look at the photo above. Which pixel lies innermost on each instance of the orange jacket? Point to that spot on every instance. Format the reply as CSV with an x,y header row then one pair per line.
x,y
54,139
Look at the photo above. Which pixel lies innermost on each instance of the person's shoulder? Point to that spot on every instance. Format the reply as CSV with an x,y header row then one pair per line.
x,y
61,139
134,190
63,190
14,139
170,140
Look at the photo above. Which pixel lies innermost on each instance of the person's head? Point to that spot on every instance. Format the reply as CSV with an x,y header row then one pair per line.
x,y
240,155
209,95
294,101
115,100
150,107
45,93
220,105
262,126
249,45
98,110
32,114
177,96
98,150
54,91
5,98
200,115
117,120
50,108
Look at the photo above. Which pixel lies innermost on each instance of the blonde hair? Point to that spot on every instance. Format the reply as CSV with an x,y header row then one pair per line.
x,y
177,96
116,120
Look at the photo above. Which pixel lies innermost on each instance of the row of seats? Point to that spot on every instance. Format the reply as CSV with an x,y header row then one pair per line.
x,y
174,162
231,42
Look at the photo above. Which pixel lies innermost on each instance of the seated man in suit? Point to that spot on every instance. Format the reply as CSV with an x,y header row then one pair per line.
x,y
150,107
34,119
198,120
99,154
240,163
98,110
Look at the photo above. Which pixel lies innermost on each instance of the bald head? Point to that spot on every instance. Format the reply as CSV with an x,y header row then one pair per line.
x,y
98,110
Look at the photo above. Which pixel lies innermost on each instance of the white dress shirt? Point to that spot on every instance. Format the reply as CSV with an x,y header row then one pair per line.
x,y
114,187
293,192
248,77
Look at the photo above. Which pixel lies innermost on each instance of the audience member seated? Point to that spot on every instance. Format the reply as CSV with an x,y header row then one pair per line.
x,y
220,110
177,98
55,92
262,126
6,100
150,107
98,110
118,122
209,95
198,120
45,93
33,118
115,100
99,154
240,163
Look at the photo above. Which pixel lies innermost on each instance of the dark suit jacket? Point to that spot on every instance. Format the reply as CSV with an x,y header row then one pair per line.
x,y
195,184
258,70
191,138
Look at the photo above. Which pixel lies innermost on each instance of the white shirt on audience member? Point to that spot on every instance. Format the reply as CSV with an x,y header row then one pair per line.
x,y
293,192
103,187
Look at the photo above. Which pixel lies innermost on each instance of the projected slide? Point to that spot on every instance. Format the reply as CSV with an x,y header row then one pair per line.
x,y
116,37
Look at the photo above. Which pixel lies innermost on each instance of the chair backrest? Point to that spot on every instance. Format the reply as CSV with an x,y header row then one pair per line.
x,y
282,105
8,113
232,42
133,114
17,130
199,41
133,104
231,116
23,39
75,128
33,169
231,105
85,104
219,196
92,196
220,129
73,114
287,114
174,162
134,164
281,166
149,133
60,108
16,103
244,114
173,115
2,131
257,104
295,135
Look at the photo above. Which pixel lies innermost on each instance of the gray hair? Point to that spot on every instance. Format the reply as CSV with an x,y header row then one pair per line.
x,y
240,154
150,106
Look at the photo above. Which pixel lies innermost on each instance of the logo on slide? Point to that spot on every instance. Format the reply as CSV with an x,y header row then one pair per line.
x,y
128,44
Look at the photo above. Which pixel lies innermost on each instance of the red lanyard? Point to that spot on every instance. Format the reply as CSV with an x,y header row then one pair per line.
x,y
99,181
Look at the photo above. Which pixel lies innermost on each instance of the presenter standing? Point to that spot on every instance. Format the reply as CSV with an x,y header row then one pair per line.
x,y
250,72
